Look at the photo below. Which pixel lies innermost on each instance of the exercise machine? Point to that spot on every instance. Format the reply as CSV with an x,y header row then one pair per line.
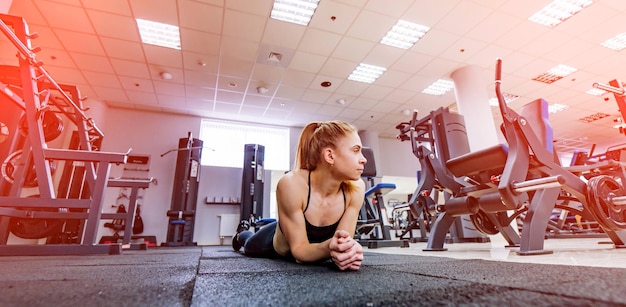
x,y
29,196
252,183
436,138
182,213
373,226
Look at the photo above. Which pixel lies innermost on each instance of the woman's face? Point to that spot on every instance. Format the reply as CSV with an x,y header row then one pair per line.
x,y
349,159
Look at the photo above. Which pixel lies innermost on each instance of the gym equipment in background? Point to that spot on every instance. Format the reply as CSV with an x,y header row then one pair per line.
x,y
436,138
252,183
47,110
617,88
373,226
182,211
509,178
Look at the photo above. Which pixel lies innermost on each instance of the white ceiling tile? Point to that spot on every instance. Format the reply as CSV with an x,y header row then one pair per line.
x,y
126,50
114,26
344,16
89,62
116,7
57,14
199,16
319,42
307,62
137,84
268,74
353,49
463,17
101,79
243,25
261,8
411,62
199,92
290,92
200,42
235,68
141,97
169,88
80,42
353,88
200,62
338,68
283,34
229,97
370,26
164,11
383,55
316,96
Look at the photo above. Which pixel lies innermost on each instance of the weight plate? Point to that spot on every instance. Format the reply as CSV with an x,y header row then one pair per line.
x,y
600,191
483,224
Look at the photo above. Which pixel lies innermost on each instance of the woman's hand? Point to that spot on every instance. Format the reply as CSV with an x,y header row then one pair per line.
x,y
345,252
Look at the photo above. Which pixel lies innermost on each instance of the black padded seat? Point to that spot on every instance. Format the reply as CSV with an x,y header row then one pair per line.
x,y
488,159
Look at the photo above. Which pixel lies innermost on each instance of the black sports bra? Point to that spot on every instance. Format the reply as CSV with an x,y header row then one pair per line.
x,y
318,234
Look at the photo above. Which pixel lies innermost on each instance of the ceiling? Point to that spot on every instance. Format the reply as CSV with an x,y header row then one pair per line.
x,y
95,45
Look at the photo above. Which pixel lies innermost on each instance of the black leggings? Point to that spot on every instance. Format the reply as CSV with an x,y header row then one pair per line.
x,y
260,244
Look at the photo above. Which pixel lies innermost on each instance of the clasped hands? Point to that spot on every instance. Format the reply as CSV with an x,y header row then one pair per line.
x,y
345,252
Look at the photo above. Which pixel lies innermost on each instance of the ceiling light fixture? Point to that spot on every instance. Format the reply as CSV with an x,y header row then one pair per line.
x,y
404,34
558,11
159,34
166,75
593,117
596,92
341,101
440,87
555,73
366,73
556,107
262,90
616,43
294,11
508,98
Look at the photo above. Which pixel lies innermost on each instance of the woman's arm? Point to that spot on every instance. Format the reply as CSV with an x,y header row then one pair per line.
x,y
293,227
345,252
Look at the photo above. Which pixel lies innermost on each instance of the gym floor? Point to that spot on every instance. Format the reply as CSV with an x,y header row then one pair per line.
x,y
580,272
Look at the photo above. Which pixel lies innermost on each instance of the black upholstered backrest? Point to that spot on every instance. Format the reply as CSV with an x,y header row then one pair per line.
x,y
537,114
370,167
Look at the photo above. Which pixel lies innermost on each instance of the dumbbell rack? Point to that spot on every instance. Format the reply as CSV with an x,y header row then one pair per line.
x,y
36,87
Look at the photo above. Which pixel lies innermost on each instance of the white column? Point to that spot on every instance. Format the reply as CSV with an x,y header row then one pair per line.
x,y
472,99
5,5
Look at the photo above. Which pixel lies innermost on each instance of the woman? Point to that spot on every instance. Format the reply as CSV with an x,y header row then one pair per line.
x,y
318,202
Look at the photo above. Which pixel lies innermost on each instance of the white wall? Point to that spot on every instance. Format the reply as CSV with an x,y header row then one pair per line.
x,y
147,133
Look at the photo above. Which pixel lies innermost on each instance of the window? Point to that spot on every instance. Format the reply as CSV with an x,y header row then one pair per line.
x,y
224,144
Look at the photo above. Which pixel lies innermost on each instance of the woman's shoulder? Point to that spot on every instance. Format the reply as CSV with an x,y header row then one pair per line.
x,y
293,179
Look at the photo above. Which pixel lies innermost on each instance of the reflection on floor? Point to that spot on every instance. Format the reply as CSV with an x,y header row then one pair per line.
x,y
595,252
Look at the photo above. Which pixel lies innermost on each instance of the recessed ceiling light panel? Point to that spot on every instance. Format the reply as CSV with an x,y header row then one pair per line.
x,y
294,11
366,73
440,87
556,107
616,43
159,34
555,73
508,98
558,11
404,34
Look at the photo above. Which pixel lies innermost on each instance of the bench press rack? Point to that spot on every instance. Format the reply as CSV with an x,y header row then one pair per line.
x,y
33,99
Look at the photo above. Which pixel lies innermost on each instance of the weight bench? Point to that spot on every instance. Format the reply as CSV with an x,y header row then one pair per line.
x,y
179,226
129,215
373,220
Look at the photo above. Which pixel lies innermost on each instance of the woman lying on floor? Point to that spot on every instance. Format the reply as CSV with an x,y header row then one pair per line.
x,y
318,202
